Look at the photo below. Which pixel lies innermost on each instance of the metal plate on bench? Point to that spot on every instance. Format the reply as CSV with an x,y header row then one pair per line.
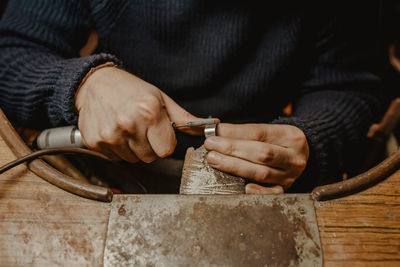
x,y
212,230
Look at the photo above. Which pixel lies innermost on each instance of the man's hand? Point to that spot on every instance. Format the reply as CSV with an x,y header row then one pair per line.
x,y
127,118
266,153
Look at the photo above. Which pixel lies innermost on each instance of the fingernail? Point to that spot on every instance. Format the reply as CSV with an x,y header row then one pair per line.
x,y
251,190
211,142
213,158
277,189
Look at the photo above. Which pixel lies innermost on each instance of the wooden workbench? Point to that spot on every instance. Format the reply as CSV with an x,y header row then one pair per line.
x,y
43,225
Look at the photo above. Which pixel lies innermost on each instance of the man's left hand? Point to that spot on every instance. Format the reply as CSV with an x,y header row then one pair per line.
x,y
267,153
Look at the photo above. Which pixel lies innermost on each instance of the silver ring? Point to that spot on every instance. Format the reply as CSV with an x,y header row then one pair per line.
x,y
210,130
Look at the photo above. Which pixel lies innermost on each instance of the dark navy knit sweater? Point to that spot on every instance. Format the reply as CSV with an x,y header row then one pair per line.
x,y
238,62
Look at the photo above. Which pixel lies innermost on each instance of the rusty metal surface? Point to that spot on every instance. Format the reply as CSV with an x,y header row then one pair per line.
x,y
194,230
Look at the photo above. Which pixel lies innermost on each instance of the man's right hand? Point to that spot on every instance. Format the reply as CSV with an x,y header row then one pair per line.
x,y
126,118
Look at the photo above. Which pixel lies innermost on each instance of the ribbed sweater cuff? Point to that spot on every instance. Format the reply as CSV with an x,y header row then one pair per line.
x,y
63,78
317,164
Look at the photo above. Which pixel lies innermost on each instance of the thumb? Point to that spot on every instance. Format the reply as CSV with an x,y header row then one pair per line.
x,y
258,189
178,115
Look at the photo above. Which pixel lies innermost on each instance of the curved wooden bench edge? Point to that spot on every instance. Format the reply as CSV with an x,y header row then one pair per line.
x,y
48,173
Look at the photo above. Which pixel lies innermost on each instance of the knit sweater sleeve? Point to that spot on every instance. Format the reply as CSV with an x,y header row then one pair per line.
x,y
40,67
337,103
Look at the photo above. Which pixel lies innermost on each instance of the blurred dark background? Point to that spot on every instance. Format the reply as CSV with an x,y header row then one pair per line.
x,y
3,4
390,13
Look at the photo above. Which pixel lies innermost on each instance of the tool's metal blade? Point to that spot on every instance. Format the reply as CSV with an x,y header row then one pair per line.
x,y
196,123
215,230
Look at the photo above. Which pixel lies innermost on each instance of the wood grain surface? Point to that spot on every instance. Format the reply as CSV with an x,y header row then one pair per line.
x,y
42,225
362,229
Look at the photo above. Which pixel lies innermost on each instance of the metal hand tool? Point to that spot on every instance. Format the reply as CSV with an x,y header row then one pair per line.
x,y
70,136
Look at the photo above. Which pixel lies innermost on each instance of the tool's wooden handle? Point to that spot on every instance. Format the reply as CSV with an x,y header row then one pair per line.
x,y
48,173
359,182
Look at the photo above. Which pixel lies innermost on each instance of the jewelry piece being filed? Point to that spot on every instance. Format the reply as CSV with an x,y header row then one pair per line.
x,y
210,130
